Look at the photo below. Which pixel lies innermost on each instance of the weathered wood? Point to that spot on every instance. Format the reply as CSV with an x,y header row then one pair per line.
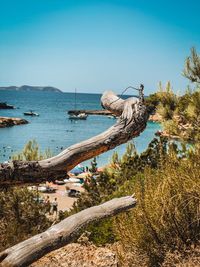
x,y
133,118
62,233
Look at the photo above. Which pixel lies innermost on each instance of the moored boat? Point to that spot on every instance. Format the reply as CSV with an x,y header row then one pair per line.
x,y
31,113
81,116
76,116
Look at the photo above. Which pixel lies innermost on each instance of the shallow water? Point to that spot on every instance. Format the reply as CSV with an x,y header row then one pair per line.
x,y
52,129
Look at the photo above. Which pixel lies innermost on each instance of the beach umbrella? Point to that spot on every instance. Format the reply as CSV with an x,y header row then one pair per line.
x,y
77,170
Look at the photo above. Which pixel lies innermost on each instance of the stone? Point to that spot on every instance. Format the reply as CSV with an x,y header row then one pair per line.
x,y
8,122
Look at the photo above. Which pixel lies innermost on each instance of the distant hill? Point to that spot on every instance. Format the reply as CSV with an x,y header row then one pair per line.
x,y
27,88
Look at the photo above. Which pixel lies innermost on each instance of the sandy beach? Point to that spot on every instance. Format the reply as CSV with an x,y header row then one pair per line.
x,y
64,201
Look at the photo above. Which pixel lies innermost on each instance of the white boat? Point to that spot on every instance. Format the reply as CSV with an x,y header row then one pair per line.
x,y
80,116
31,113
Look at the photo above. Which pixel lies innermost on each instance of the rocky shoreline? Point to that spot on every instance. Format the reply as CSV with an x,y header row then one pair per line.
x,y
158,119
8,122
155,118
167,135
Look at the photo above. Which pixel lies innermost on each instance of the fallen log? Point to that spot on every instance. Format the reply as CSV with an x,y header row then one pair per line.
x,y
133,118
62,233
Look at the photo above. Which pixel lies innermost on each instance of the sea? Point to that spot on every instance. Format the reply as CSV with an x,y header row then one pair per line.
x,y
52,129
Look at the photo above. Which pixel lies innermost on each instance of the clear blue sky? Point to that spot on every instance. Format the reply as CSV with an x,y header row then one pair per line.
x,y
96,45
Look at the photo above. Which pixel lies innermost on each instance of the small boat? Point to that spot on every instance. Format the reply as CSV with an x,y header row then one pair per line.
x,y
4,105
81,116
31,113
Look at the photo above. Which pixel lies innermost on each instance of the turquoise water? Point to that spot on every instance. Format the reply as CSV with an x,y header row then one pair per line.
x,y
52,129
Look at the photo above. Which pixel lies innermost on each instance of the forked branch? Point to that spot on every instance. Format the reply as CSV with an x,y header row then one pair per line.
x,y
132,121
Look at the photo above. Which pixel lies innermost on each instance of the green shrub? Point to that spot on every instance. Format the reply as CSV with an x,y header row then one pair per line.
x,y
171,127
31,151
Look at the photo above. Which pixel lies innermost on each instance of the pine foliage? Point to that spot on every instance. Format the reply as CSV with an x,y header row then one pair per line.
x,y
192,67
31,151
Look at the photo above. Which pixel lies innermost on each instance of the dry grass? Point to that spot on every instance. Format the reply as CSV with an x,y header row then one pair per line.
x,y
190,258
167,217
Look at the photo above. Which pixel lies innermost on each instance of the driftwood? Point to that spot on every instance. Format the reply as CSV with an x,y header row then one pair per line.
x,y
132,121
62,233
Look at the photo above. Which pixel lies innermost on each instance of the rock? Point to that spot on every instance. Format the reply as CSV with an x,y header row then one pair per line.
x,y
4,105
77,255
167,135
155,117
8,122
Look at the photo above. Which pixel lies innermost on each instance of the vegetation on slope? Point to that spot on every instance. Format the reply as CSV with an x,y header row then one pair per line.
x,y
165,179
180,114
167,186
21,214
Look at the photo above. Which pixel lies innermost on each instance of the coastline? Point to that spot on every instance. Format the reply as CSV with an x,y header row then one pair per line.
x,y
9,122
167,135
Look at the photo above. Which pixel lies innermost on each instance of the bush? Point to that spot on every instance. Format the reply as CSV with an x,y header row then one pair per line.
x,y
166,217
21,216
31,151
171,127
120,171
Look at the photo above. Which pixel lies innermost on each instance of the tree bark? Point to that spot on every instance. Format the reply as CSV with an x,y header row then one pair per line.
x,y
132,121
62,233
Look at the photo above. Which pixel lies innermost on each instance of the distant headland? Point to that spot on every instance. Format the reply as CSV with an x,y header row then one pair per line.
x,y
27,88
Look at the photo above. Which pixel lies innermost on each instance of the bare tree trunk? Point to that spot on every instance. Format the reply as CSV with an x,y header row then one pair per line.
x,y
62,233
132,121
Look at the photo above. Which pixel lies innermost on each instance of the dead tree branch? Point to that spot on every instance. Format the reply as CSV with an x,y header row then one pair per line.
x,y
132,121
62,233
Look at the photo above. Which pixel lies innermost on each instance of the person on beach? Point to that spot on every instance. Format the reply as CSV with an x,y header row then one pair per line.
x,y
47,205
55,206
67,189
